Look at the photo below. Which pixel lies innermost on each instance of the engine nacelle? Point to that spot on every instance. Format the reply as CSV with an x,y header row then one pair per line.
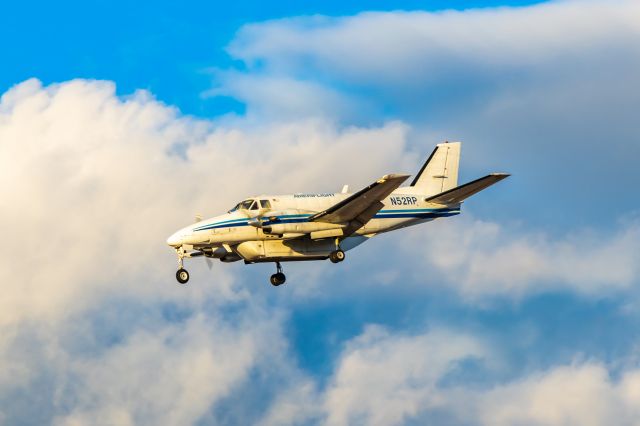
x,y
281,228
231,257
298,228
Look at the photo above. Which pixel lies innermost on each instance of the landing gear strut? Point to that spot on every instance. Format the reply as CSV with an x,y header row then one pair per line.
x,y
278,278
337,255
182,275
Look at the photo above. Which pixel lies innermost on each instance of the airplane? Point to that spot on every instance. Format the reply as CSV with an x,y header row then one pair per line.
x,y
320,226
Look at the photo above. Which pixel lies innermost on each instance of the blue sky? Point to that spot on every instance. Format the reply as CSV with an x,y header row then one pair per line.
x,y
119,122
162,46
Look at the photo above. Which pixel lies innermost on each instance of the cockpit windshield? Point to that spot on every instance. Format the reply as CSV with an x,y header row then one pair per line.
x,y
242,205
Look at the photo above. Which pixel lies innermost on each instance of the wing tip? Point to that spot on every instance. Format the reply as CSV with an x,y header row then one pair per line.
x,y
395,176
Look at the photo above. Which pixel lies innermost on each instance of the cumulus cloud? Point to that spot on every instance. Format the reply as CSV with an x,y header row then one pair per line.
x,y
92,323
583,394
482,259
381,378
275,98
409,50
93,184
386,379
546,91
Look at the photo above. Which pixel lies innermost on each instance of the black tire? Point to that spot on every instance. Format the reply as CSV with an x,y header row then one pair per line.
x,y
277,279
336,256
182,275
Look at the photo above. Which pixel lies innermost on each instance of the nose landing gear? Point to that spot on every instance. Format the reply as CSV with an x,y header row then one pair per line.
x,y
182,275
278,278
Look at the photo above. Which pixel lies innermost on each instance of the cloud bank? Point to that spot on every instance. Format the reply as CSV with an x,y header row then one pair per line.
x,y
93,184
546,91
93,325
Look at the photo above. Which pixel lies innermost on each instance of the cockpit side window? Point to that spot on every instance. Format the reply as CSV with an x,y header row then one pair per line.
x,y
250,204
265,204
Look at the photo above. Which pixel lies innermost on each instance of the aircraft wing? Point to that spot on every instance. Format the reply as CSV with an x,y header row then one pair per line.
x,y
362,205
465,191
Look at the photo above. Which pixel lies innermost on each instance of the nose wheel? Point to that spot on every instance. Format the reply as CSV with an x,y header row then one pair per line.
x,y
182,275
278,278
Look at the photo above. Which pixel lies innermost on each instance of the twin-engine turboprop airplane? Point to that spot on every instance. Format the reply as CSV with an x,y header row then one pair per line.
x,y
279,228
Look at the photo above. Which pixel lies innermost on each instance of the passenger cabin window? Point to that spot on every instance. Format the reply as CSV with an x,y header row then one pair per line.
x,y
265,204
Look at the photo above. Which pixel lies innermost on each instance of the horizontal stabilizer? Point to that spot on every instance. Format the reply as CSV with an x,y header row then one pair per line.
x,y
462,192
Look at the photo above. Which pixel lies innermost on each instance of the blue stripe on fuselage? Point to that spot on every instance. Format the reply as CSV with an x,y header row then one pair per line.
x,y
299,218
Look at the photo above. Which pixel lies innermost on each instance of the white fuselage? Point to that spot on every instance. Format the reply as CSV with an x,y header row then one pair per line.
x,y
277,227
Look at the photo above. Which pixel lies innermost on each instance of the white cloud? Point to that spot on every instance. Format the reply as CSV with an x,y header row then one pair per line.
x,y
274,99
383,379
388,379
582,394
165,376
92,185
93,189
483,259
411,49
546,91
380,378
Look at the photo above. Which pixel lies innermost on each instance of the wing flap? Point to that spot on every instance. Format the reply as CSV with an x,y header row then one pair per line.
x,y
462,192
362,205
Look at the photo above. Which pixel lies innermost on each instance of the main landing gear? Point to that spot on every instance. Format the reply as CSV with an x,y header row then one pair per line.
x,y
278,278
182,275
337,255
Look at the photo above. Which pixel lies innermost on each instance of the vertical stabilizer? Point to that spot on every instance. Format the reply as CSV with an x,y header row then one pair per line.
x,y
440,172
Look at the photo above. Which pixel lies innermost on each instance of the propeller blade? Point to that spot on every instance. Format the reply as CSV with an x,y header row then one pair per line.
x,y
209,262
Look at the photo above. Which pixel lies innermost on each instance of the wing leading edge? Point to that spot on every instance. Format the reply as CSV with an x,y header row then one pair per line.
x,y
362,205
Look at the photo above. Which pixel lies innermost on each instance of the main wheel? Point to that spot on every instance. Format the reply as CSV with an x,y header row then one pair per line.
x,y
336,256
277,279
182,276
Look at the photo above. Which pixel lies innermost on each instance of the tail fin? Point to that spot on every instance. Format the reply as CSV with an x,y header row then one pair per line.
x,y
440,172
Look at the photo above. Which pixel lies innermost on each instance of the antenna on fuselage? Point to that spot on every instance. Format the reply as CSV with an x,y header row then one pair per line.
x,y
345,189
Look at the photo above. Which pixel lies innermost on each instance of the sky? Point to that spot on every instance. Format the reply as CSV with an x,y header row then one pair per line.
x,y
119,123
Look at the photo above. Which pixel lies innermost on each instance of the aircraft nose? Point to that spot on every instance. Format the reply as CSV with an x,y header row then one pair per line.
x,y
175,240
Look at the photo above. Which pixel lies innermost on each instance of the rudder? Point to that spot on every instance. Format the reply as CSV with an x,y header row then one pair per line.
x,y
440,172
